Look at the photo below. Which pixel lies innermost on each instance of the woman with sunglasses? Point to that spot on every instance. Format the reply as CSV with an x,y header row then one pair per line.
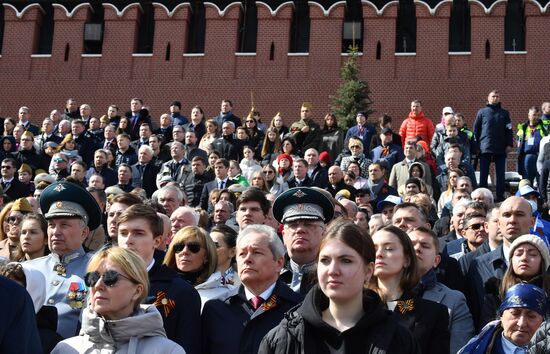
x,y
274,183
395,277
529,262
255,135
340,315
9,247
192,254
355,145
114,321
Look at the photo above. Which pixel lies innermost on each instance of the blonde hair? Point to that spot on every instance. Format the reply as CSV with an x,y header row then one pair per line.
x,y
197,234
130,263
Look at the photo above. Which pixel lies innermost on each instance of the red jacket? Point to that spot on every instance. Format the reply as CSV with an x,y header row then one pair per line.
x,y
416,125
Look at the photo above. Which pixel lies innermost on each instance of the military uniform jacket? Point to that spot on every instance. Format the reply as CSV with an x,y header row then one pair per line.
x,y
65,288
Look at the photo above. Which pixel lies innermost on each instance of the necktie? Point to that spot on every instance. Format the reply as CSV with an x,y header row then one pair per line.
x,y
221,184
106,146
296,281
256,302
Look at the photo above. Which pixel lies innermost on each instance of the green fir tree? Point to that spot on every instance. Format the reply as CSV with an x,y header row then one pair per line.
x,y
353,95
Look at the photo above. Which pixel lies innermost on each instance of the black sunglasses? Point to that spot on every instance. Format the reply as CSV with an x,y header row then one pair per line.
x,y
110,278
194,247
476,227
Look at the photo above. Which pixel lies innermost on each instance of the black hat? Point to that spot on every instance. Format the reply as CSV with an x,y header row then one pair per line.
x,y
386,130
413,180
66,199
302,203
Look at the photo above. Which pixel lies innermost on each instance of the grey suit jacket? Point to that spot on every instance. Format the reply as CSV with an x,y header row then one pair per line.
x,y
460,320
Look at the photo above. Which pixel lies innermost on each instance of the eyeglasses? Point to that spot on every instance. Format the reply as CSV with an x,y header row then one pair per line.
x,y
475,227
110,278
7,167
355,147
250,121
14,218
269,172
58,159
194,247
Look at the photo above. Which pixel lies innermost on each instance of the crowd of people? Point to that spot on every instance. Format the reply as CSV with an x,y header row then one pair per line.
x,y
222,235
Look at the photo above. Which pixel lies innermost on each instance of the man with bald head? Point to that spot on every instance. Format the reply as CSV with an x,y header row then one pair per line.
x,y
336,182
515,219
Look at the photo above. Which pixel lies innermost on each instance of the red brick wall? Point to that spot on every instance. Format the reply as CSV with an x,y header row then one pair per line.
x,y
281,84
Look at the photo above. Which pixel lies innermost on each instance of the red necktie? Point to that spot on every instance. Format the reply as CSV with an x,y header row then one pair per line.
x,y
256,301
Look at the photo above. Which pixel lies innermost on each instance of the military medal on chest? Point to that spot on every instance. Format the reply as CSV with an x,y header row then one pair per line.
x,y
60,269
76,295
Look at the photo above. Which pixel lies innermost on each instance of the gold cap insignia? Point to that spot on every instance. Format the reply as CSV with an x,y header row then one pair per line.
x,y
299,194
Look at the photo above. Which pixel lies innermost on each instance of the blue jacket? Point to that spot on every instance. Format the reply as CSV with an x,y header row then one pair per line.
x,y
365,134
493,129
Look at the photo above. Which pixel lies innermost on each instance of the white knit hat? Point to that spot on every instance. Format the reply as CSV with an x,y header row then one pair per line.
x,y
535,241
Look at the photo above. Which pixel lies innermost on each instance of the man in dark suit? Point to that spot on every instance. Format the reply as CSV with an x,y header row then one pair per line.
x,y
315,171
109,142
144,133
239,323
336,182
227,145
10,183
195,181
226,114
222,180
299,176
137,116
24,116
144,172
177,301
84,142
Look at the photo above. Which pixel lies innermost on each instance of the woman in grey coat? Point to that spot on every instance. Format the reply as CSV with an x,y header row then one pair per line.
x,y
114,321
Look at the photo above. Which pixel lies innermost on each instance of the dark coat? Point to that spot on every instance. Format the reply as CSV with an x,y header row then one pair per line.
x,y
181,320
193,185
142,117
199,129
483,271
320,176
145,177
427,320
18,331
493,129
303,330
129,156
17,189
46,321
86,147
222,118
340,186
229,147
30,157
307,182
232,326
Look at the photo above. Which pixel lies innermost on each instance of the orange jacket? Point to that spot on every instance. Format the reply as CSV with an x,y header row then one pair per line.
x,y
415,125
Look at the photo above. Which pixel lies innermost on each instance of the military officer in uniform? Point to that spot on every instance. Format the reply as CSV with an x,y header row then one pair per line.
x,y
71,213
304,213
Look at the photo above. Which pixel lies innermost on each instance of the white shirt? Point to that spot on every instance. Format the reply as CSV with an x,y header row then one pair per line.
x,y
265,295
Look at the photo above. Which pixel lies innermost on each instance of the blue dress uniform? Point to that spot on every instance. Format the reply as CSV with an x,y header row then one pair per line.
x,y
65,286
